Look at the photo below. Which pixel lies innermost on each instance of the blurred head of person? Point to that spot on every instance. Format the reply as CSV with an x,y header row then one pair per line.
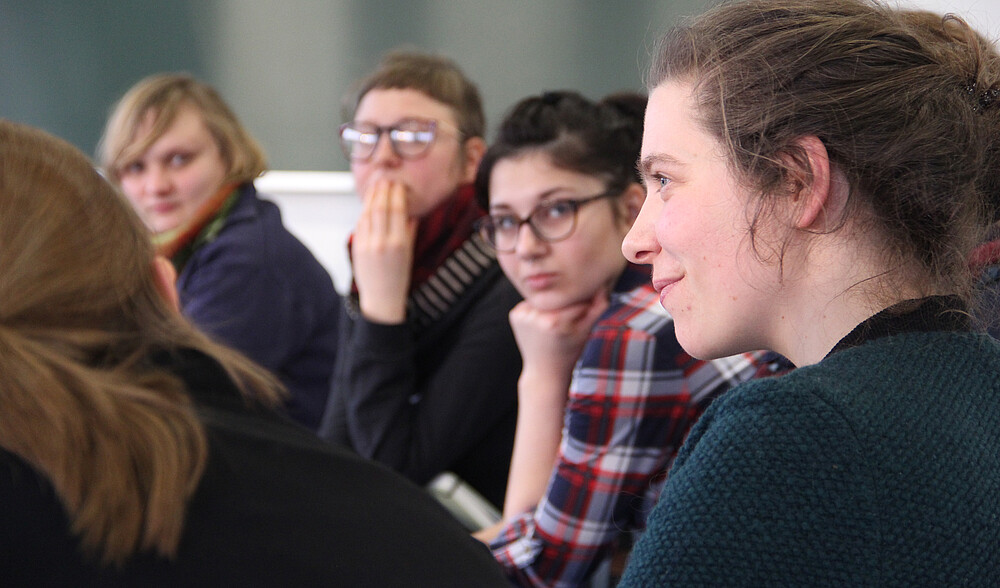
x,y
172,145
87,310
417,120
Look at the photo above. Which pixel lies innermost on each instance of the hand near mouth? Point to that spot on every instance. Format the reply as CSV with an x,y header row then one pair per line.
x,y
382,253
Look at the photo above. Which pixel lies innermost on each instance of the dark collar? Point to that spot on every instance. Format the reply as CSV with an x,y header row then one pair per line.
x,y
934,313
205,380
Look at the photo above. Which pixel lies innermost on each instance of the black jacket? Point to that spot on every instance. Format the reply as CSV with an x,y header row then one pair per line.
x,y
439,392
276,507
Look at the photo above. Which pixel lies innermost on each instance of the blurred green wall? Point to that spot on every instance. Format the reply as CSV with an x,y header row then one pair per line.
x,y
283,65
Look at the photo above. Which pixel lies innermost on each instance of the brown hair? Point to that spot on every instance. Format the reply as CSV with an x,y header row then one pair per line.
x,y
80,399
600,139
900,110
434,75
163,96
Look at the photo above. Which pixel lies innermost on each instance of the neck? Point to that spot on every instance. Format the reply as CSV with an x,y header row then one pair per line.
x,y
833,288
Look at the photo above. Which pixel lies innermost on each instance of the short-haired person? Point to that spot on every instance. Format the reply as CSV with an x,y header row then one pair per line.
x,y
187,165
134,451
606,394
426,377
817,173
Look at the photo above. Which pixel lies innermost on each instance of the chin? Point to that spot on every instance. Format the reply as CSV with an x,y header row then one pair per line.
x,y
691,339
546,300
163,227
553,300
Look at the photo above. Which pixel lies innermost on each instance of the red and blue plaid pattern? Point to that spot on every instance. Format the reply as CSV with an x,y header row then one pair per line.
x,y
633,397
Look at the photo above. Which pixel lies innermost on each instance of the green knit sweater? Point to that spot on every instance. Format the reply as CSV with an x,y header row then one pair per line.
x,y
879,466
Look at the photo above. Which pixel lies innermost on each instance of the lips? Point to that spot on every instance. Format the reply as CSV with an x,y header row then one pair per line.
x,y
540,281
164,207
663,286
659,284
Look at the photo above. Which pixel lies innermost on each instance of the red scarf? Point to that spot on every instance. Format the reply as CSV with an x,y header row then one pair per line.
x,y
439,234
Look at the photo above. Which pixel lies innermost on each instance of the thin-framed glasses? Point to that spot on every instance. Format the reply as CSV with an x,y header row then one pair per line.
x,y
410,138
550,221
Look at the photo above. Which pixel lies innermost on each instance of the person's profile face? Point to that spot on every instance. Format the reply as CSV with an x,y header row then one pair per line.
x,y
429,179
694,229
180,170
584,254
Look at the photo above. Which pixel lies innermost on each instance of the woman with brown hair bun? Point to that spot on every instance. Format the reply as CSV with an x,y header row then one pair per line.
x,y
818,173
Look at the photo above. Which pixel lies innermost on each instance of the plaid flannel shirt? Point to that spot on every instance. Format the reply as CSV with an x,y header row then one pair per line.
x,y
633,396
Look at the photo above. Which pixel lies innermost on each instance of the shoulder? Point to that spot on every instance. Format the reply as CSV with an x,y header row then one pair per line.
x,y
634,332
638,309
254,241
261,457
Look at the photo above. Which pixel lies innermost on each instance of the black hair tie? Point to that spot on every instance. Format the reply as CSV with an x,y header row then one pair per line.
x,y
982,100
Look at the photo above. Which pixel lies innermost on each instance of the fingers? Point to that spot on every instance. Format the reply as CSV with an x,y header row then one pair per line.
x,y
382,252
384,215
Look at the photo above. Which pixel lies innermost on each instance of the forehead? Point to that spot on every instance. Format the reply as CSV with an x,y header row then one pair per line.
x,y
531,177
672,131
386,106
187,123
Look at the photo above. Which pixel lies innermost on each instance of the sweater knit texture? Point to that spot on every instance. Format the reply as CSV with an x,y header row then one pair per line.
x,y
879,466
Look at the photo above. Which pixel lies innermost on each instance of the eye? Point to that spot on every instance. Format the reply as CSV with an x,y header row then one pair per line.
x,y
416,137
364,136
661,181
557,209
179,159
132,168
505,222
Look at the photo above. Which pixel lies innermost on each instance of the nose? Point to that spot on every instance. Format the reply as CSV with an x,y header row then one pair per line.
x,y
157,180
528,244
384,154
640,245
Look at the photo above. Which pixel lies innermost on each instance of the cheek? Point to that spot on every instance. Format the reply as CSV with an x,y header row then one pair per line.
x,y
132,188
198,184
508,264
361,172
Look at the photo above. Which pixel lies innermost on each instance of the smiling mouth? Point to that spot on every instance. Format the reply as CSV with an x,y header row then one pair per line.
x,y
664,284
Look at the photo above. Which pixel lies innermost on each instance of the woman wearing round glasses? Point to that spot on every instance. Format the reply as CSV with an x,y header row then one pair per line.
x,y
427,379
606,394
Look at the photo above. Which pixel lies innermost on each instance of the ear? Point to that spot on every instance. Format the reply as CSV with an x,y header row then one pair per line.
x,y
165,278
474,149
632,199
811,184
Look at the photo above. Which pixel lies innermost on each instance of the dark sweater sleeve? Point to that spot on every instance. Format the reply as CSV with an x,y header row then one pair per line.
x,y
760,491
421,419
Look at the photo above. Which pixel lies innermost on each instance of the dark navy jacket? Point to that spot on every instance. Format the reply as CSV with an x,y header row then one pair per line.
x,y
258,289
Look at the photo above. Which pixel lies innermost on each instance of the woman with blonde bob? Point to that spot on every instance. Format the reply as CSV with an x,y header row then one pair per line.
x,y
187,164
818,173
135,451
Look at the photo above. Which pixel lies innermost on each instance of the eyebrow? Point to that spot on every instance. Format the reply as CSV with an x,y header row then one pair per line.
x,y
646,164
541,198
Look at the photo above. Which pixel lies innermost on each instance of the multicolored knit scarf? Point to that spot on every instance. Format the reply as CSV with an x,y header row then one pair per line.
x,y
179,243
